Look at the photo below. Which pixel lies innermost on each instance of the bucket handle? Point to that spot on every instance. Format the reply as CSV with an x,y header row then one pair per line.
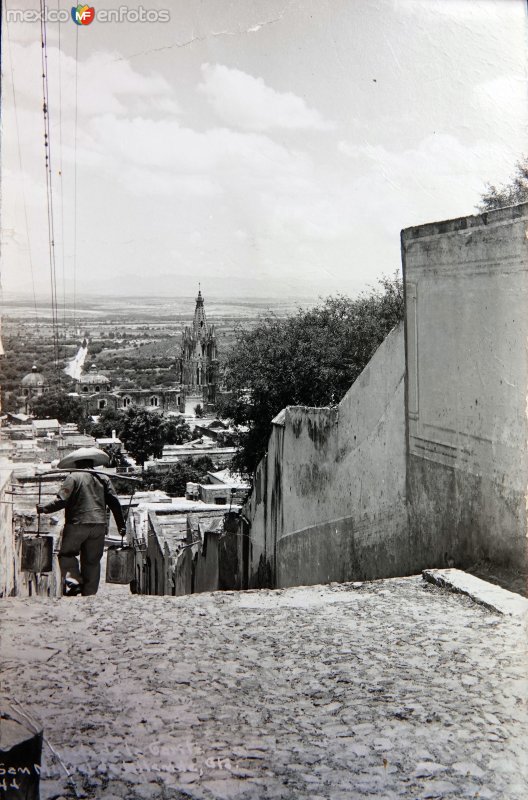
x,y
127,516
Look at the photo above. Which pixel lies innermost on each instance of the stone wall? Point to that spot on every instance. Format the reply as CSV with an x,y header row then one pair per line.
x,y
328,502
466,283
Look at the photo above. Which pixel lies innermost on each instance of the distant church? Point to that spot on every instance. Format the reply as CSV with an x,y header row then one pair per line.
x,y
199,363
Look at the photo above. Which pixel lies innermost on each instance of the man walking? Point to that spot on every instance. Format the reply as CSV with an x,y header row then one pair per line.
x,y
84,495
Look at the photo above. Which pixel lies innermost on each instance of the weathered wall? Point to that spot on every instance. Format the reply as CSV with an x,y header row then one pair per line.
x,y
206,565
329,499
258,521
18,520
156,558
8,568
184,571
466,283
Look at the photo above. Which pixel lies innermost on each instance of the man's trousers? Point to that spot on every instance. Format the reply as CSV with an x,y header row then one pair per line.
x,y
87,541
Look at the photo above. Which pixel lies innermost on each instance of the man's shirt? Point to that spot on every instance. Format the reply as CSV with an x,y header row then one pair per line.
x,y
85,496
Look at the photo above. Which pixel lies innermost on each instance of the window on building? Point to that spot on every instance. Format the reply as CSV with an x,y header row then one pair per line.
x,y
97,388
26,392
220,501
85,388
154,401
127,401
102,404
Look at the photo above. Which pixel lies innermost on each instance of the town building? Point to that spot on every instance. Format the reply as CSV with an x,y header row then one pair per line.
x,y
184,547
32,385
45,427
202,446
199,361
98,394
223,488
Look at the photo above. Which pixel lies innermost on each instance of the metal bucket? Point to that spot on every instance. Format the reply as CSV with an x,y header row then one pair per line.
x,y
120,564
37,554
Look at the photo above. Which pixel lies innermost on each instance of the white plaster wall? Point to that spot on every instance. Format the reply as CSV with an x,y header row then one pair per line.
x,y
329,501
7,540
467,332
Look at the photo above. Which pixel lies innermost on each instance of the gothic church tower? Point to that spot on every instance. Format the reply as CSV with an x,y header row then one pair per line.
x,y
199,364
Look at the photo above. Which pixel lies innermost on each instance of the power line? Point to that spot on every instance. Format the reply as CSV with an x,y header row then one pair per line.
x,y
22,177
75,181
49,185
61,181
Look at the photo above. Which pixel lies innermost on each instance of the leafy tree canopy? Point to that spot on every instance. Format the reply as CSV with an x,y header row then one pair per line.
x,y
516,191
142,433
310,358
59,405
172,430
109,420
175,479
117,459
176,431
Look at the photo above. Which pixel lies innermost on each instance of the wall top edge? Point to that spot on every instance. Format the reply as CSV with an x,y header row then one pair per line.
x,y
313,410
294,411
498,216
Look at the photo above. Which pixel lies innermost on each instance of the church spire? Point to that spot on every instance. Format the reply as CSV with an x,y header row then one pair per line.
x,y
200,320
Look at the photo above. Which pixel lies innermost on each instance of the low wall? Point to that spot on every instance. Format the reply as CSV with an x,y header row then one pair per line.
x,y
329,499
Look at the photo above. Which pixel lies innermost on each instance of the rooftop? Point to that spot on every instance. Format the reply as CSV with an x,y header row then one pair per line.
x,y
93,377
33,378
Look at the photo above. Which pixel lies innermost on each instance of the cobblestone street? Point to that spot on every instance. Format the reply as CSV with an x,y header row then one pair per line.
x,y
389,689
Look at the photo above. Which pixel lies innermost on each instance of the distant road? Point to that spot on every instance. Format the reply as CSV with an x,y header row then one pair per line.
x,y
75,366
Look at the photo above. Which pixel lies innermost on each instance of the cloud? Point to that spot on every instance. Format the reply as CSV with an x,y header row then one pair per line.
x,y
104,85
458,10
440,178
502,104
218,156
243,101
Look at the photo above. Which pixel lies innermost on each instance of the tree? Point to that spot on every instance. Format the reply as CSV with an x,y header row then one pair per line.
x,y
175,480
117,459
59,405
142,434
310,358
509,194
176,431
109,420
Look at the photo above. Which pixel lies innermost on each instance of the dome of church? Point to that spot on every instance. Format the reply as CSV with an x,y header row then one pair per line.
x,y
33,378
93,377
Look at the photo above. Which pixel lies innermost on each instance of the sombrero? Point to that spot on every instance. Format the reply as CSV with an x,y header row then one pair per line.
x,y
99,457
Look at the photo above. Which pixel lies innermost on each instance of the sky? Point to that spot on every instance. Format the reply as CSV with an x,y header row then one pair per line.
x,y
265,148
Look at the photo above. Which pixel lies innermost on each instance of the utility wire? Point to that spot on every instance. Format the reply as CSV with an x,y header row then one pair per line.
x,y
49,185
75,181
61,181
22,177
